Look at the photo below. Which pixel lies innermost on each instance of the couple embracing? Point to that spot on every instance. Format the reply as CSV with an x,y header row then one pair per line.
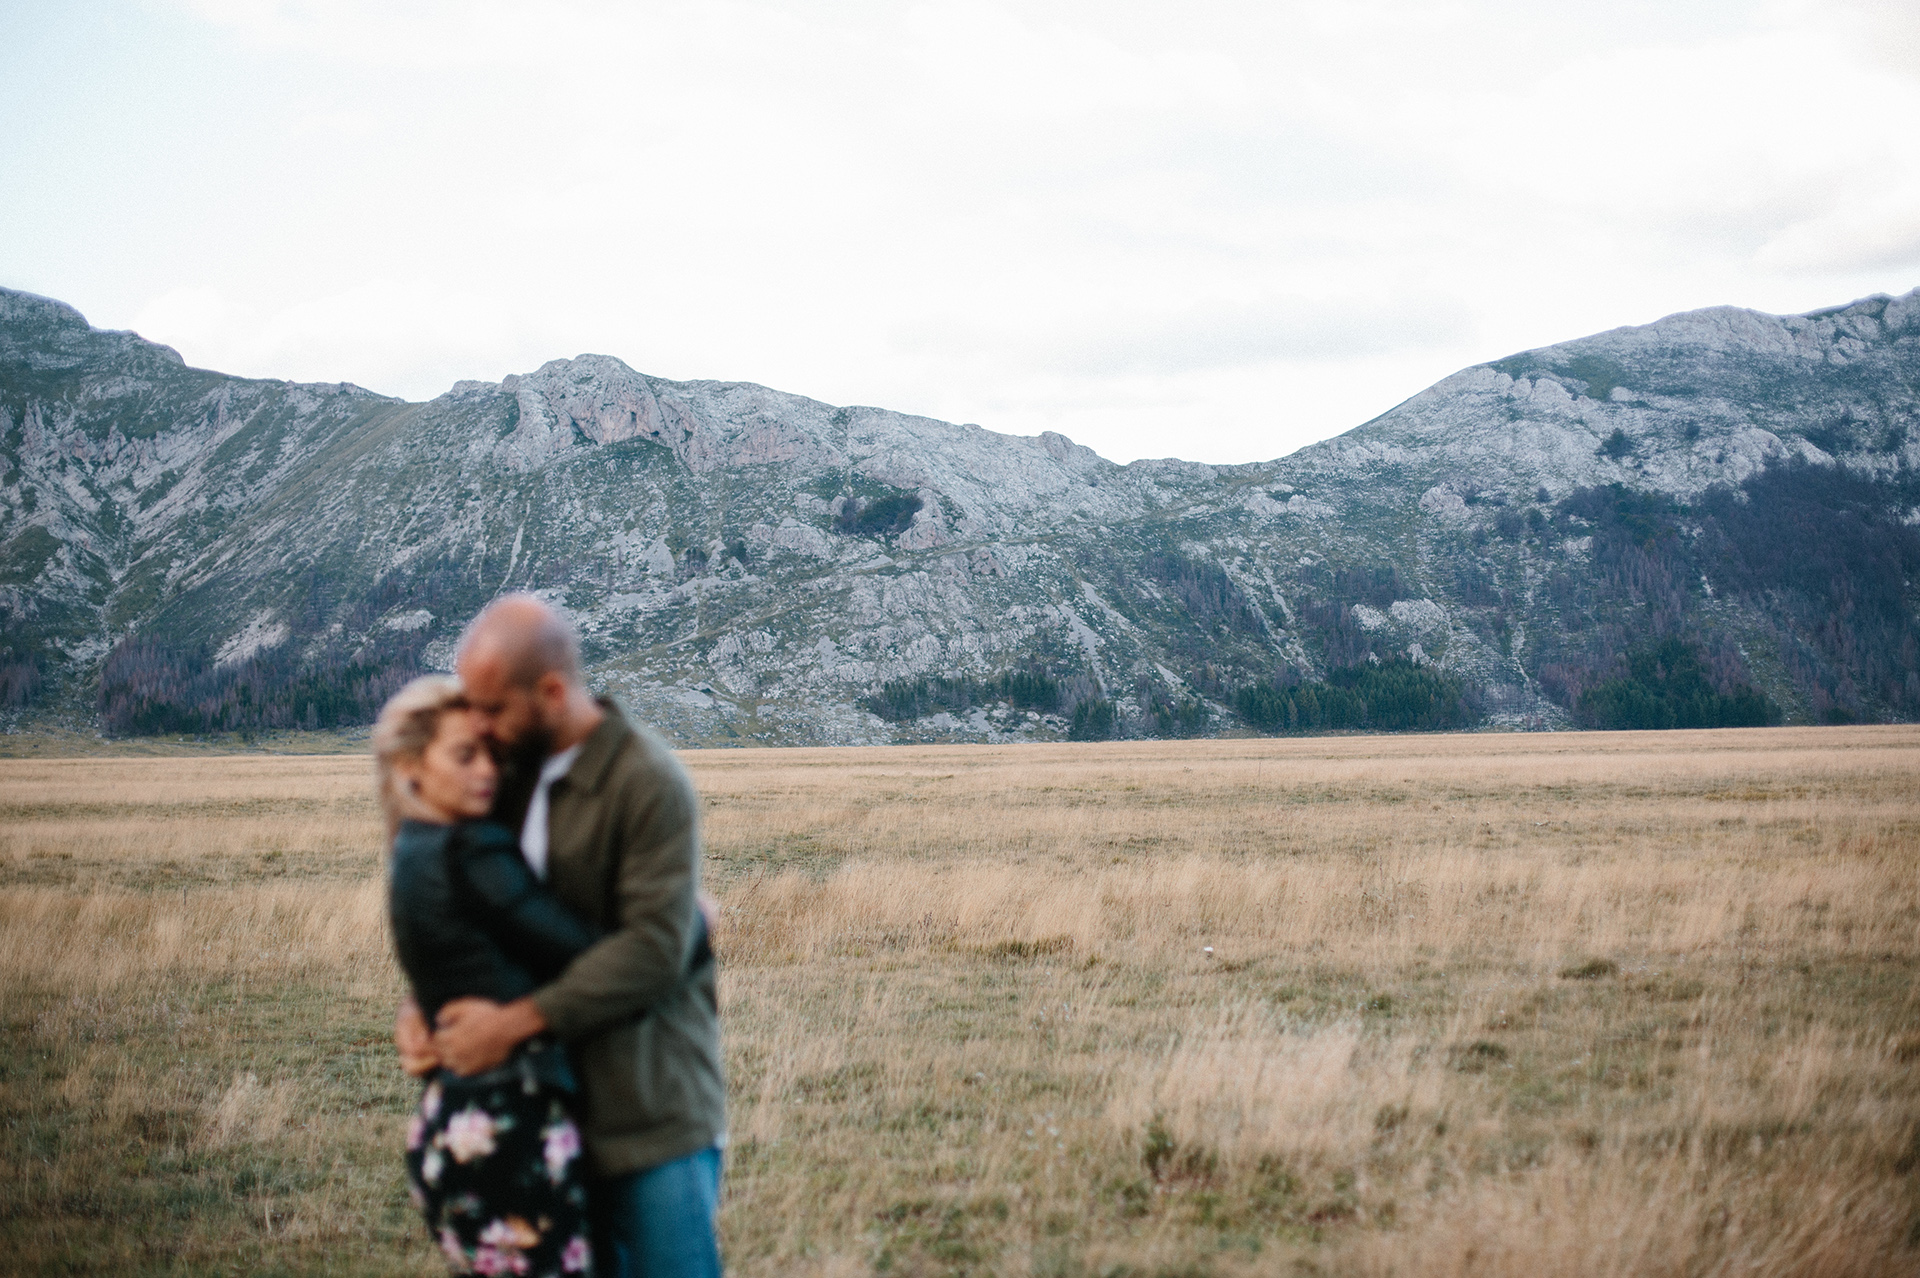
x,y
544,895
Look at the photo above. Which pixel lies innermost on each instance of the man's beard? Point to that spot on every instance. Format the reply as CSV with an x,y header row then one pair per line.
x,y
530,750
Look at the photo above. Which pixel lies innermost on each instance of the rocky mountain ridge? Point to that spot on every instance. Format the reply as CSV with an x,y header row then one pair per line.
x,y
181,549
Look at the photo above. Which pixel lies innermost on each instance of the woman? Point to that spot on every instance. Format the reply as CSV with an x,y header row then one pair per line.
x,y
494,1159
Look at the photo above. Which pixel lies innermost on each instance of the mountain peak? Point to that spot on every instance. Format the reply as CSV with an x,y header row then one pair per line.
x,y
43,333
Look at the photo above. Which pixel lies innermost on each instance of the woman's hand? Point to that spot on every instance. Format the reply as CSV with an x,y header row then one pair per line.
x,y
414,1039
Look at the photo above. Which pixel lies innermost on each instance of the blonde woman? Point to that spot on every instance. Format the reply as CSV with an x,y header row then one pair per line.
x,y
494,1159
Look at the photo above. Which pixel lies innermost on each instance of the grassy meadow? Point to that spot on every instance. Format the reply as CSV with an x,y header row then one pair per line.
x,y
1633,1004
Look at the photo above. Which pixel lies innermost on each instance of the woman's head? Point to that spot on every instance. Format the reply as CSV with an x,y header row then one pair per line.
x,y
431,760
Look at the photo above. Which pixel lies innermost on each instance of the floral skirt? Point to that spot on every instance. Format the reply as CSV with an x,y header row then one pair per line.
x,y
494,1163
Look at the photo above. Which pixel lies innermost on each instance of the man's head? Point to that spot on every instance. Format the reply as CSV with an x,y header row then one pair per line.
x,y
520,665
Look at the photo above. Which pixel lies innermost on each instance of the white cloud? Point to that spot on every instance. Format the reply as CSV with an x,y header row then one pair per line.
x,y
1220,229
1876,228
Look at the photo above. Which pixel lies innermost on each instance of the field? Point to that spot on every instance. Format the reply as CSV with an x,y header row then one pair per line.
x,y
1634,1004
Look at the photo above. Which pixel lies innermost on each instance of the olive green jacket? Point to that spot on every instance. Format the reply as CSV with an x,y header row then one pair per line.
x,y
624,851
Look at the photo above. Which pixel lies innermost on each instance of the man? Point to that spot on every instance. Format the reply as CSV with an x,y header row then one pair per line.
x,y
610,820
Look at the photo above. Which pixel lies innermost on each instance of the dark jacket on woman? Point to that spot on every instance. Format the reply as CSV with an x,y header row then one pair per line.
x,y
470,919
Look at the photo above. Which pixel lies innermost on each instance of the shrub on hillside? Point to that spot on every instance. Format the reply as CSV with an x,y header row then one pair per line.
x,y
1205,590
1817,557
1391,696
1666,686
19,678
901,700
146,688
1094,720
878,516
1185,717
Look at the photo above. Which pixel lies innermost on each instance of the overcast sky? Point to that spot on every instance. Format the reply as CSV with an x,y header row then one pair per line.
x,y
1210,230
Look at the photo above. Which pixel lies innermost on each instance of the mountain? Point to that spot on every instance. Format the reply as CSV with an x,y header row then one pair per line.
x,y
1706,519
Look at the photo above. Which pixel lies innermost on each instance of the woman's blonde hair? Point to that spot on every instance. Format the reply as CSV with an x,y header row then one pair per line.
x,y
405,728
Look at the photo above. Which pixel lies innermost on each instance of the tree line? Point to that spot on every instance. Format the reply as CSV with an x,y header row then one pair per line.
x,y
147,688
1666,686
1819,558
1388,696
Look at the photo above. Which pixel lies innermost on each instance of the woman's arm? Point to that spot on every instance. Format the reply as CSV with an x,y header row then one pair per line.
x,y
414,1037
518,910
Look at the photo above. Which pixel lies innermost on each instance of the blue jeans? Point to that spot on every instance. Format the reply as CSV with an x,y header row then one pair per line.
x,y
658,1223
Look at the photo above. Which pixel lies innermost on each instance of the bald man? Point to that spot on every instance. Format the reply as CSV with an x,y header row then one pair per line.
x,y
609,819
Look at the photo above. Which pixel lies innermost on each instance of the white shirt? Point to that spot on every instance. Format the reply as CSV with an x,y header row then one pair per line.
x,y
533,831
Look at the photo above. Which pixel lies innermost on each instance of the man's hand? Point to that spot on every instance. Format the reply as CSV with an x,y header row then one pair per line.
x,y
472,1035
414,1039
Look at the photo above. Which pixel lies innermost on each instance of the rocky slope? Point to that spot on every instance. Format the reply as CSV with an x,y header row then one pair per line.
x,y
746,565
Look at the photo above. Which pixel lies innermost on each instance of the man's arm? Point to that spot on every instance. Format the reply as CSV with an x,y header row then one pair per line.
x,y
472,1035
644,959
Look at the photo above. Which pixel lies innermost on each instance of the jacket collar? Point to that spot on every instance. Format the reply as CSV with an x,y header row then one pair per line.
x,y
597,752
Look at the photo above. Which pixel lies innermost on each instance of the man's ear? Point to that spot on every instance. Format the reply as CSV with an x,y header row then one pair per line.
x,y
552,690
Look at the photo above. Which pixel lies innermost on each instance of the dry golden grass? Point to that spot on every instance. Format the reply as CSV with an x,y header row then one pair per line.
x,y
1570,1004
